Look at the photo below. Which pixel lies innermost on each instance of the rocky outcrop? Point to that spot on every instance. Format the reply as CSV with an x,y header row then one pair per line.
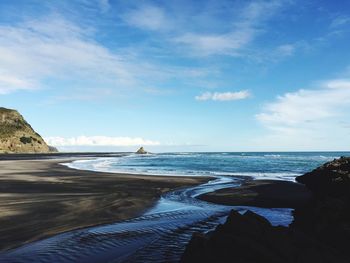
x,y
251,238
17,136
320,231
141,151
330,179
327,217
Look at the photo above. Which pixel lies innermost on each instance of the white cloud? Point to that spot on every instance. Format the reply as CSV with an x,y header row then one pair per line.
x,y
223,96
9,83
216,44
307,105
36,50
99,141
193,32
146,17
308,119
53,48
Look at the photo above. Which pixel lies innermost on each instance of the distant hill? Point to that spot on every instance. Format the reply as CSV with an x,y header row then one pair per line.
x,y
17,136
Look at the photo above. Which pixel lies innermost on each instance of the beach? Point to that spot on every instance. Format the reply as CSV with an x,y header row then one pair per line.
x,y
129,205
262,193
40,198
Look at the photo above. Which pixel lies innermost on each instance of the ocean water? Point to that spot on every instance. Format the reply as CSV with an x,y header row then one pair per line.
x,y
260,165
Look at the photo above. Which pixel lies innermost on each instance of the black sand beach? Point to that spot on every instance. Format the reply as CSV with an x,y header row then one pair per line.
x,y
41,198
262,193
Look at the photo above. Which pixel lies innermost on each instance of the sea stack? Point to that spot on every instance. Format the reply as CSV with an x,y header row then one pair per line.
x,y
17,136
141,151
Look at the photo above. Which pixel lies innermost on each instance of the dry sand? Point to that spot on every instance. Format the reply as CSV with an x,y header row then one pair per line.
x,y
262,193
40,198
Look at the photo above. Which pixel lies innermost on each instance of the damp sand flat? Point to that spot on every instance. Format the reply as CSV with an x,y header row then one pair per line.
x,y
261,193
40,198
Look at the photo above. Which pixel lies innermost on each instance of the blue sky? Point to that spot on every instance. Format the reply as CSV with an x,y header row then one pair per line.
x,y
179,75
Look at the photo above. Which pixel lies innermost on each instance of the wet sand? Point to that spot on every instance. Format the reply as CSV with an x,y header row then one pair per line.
x,y
262,193
40,198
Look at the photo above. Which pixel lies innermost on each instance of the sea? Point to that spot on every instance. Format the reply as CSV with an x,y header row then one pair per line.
x,y
257,165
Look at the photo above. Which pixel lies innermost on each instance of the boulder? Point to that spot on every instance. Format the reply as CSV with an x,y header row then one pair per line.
x,y
327,216
330,179
251,238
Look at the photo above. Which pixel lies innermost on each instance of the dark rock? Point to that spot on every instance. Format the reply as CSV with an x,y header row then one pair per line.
x,y
141,151
327,217
320,231
251,238
330,179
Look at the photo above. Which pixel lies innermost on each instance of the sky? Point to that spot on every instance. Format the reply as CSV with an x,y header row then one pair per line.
x,y
109,75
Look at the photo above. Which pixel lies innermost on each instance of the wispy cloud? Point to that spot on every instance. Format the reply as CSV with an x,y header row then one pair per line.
x,y
286,50
104,5
99,141
242,32
224,96
340,21
307,118
37,50
146,17
11,83
191,32
307,105
215,44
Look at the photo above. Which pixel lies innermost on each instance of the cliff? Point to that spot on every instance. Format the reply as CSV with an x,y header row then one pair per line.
x,y
17,136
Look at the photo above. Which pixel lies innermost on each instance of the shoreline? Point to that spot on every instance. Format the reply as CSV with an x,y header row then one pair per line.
x,y
40,198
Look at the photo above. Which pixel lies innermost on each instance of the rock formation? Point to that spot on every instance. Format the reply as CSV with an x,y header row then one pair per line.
x,y
327,217
251,238
141,151
319,233
17,136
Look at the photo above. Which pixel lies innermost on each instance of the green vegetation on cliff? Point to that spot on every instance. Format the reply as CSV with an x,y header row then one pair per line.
x,y
17,136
